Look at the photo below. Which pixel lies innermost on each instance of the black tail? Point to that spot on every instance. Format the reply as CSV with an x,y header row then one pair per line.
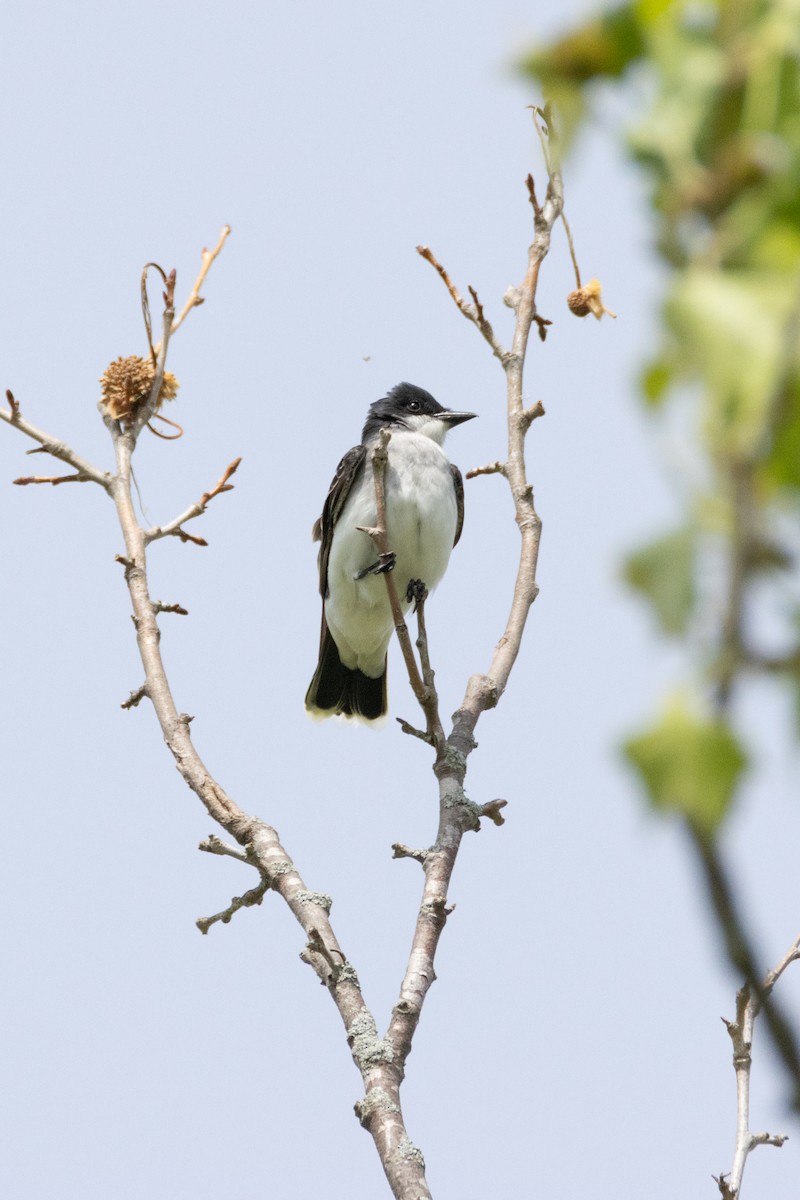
x,y
336,688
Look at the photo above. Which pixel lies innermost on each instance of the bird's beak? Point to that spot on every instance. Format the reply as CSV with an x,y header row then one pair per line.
x,y
455,418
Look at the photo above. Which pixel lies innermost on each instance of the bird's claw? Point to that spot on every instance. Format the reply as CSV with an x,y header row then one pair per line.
x,y
416,592
384,563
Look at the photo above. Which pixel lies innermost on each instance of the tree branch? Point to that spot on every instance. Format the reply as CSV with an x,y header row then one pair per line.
x,y
473,312
58,449
742,956
174,528
195,298
457,813
421,684
749,1003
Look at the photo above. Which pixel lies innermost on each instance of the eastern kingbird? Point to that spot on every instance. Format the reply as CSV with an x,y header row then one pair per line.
x,y
424,515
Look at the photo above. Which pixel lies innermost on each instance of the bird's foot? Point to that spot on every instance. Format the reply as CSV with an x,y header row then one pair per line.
x,y
416,592
385,563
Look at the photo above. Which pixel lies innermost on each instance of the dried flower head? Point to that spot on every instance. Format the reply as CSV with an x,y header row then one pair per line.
x,y
588,299
126,384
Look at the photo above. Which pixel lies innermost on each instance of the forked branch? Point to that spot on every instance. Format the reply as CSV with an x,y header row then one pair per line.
x,y
749,1003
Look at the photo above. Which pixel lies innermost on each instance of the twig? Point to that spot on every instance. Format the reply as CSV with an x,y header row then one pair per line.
x,y
135,698
186,537
58,449
473,312
158,607
491,811
145,413
495,468
215,845
749,1003
742,956
221,485
195,298
247,900
54,479
531,186
380,536
529,415
575,266
173,528
401,851
406,727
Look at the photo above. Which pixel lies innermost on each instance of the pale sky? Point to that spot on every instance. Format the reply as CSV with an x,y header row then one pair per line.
x,y
572,1044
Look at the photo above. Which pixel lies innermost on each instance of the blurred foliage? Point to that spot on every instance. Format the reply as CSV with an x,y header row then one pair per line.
x,y
717,87
663,573
688,764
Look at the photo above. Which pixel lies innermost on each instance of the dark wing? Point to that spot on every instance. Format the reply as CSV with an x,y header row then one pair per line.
x,y
346,474
458,487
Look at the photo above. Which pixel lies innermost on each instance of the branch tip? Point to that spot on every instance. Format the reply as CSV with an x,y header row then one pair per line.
x,y
492,811
401,851
495,468
135,698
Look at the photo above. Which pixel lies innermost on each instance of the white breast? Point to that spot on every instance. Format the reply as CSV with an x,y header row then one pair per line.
x,y
421,518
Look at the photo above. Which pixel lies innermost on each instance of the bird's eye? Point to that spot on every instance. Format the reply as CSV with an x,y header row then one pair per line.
x,y
413,406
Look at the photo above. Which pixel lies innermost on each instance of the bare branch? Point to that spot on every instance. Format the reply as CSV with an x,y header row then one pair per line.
x,y
535,205
749,1003
457,813
248,900
741,953
423,690
221,485
187,537
413,732
195,298
135,698
492,811
473,312
529,415
263,850
495,468
145,412
215,845
401,851
54,479
174,528
51,445
575,266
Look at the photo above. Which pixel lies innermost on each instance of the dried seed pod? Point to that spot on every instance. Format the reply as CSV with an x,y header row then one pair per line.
x,y
126,385
588,299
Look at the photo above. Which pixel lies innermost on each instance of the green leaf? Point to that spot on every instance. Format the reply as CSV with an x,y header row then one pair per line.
x,y
663,572
688,764
730,326
781,467
604,45
655,381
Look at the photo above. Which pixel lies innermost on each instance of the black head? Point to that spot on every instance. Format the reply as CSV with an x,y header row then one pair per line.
x,y
412,408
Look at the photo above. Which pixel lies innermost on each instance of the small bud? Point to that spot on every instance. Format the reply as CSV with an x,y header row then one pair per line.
x,y
588,299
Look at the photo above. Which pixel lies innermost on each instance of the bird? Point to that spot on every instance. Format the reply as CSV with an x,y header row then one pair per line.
x,y
424,500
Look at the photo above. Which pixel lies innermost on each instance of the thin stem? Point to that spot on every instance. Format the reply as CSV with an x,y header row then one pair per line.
x,y
58,449
749,1003
195,298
